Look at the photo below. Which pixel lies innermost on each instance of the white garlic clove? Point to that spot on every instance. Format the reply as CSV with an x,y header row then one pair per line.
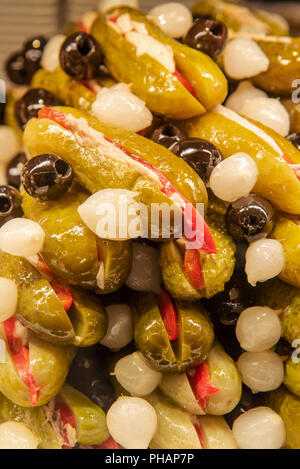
x,y
105,5
136,376
243,58
258,328
173,18
112,214
9,298
132,422
269,112
259,428
9,144
264,260
234,177
120,327
244,93
145,272
261,371
118,106
21,237
50,57
16,435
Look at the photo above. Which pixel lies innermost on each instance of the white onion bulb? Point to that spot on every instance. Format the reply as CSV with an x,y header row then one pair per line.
x,y
15,435
244,93
21,237
173,18
259,428
50,57
9,143
136,376
145,273
234,177
264,260
105,5
120,327
118,106
258,329
243,58
261,371
269,112
132,422
9,298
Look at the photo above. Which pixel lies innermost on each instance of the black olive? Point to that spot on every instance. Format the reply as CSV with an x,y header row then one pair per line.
x,y
14,170
200,154
207,35
47,176
33,50
31,102
2,112
249,218
283,348
81,56
248,401
16,69
295,140
166,135
10,204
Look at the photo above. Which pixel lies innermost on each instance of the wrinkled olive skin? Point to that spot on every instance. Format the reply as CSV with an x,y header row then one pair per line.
x,y
96,172
237,17
91,428
49,365
276,180
33,418
38,306
175,429
288,234
160,89
279,295
88,317
217,268
287,405
194,340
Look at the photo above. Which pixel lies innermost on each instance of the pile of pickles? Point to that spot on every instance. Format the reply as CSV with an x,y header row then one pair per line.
x,y
136,342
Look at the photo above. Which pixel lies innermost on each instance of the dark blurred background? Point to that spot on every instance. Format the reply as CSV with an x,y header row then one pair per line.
x,y
20,19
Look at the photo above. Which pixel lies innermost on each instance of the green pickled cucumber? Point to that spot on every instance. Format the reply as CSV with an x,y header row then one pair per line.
x,y
292,376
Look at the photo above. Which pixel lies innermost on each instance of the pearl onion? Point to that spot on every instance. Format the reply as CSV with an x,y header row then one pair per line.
x,y
244,93
118,106
259,428
145,273
132,422
269,112
136,376
50,57
21,237
173,18
15,435
258,329
105,214
120,327
9,144
264,260
105,5
9,295
243,58
234,177
261,371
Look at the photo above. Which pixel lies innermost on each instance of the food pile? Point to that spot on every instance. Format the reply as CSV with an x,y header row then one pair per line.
x,y
112,339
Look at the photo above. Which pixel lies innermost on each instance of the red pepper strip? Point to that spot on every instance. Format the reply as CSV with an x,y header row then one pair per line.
x,y
192,269
168,314
61,291
143,132
21,359
67,418
110,443
54,115
113,19
192,218
185,82
199,435
200,384
82,28
87,85
290,162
